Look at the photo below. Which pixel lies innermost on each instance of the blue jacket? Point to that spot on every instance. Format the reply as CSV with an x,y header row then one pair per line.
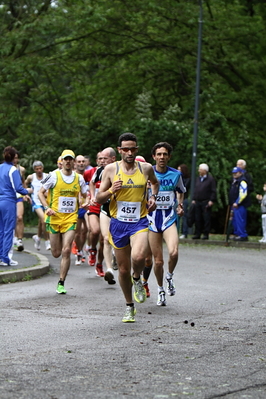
x,y
10,183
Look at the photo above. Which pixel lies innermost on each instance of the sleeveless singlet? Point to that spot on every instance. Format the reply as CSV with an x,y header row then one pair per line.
x,y
63,198
129,203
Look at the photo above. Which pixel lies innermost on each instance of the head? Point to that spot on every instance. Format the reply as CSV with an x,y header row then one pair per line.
x,y
184,170
108,155
161,153
139,158
37,166
241,163
237,172
127,147
9,154
59,162
87,160
68,159
16,159
80,164
203,169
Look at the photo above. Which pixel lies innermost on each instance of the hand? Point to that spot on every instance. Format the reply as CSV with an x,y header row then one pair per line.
x,y
180,210
116,186
151,205
50,212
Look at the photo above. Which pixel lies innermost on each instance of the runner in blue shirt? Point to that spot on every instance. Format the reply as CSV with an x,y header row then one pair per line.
x,y
163,221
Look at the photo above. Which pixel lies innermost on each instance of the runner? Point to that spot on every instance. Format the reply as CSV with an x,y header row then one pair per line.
x,y
61,210
19,230
125,184
34,181
81,229
163,221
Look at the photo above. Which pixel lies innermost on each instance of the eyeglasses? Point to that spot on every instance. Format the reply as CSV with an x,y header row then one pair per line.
x,y
126,149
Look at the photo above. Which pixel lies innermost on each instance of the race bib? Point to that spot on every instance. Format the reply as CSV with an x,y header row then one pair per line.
x,y
128,211
165,199
67,204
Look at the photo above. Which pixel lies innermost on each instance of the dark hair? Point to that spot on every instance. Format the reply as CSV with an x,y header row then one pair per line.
x,y
9,154
126,137
162,144
184,170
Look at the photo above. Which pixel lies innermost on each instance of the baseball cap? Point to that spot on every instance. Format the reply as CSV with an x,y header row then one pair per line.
x,y
236,169
67,153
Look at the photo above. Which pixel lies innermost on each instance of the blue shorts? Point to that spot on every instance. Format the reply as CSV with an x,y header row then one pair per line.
x,y
161,219
81,213
120,232
34,206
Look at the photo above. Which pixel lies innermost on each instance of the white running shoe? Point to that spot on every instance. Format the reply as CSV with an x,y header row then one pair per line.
x,y
262,240
170,286
37,242
47,245
78,259
161,299
20,246
13,262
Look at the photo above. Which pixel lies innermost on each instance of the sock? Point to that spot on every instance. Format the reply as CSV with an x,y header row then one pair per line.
x,y
169,275
61,282
130,304
146,273
136,279
160,289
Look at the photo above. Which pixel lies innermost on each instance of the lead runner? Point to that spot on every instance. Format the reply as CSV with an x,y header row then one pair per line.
x,y
125,184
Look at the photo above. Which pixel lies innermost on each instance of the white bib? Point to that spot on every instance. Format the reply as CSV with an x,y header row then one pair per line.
x,y
128,211
67,204
165,199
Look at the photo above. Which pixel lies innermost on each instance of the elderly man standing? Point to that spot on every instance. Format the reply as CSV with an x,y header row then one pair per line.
x,y
203,198
239,201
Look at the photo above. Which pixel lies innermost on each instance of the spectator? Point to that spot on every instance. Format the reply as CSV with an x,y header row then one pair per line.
x,y
262,201
187,181
203,198
241,163
239,201
10,185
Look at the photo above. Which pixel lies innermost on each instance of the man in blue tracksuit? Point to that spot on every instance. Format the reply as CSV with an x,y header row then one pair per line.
x,y
239,201
10,184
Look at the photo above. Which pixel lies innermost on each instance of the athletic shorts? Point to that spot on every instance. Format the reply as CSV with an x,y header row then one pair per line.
x,y
105,209
120,232
160,220
20,199
81,213
34,206
94,209
60,228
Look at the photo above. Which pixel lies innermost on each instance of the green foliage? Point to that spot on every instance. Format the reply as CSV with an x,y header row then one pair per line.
x,y
78,74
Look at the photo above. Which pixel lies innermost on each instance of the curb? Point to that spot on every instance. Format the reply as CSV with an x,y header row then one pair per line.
x,y
232,244
42,268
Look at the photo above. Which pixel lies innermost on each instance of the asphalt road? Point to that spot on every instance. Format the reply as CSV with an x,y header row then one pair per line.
x,y
208,342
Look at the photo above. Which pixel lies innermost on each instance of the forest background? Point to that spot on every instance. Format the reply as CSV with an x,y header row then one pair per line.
x,y
77,74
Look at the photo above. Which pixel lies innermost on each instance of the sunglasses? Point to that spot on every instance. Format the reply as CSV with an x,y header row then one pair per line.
x,y
126,149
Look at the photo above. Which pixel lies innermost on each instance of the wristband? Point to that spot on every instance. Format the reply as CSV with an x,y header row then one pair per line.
x,y
110,191
154,195
46,207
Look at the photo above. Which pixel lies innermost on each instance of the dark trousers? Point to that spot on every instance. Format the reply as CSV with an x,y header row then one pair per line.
x,y
202,218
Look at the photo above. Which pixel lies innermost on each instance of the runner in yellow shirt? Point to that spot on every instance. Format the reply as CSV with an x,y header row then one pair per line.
x,y
61,210
125,184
